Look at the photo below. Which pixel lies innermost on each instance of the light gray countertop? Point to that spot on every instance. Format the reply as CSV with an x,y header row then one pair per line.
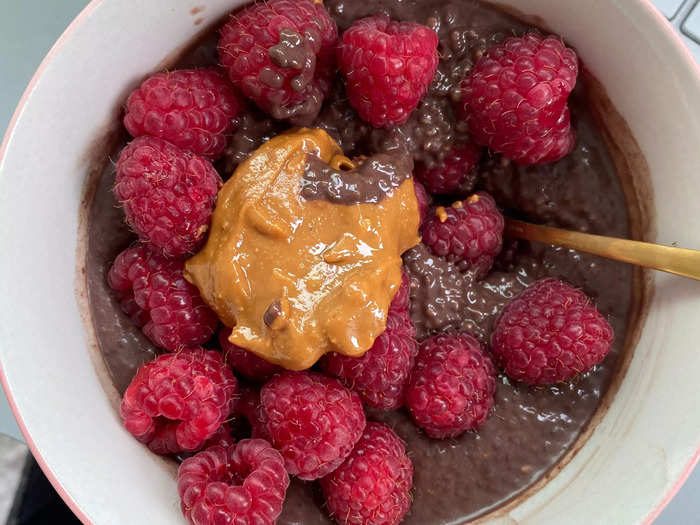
x,y
28,28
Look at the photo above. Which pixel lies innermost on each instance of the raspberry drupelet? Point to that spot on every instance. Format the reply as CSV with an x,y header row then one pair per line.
x,y
154,293
313,420
373,485
242,484
469,233
388,66
452,385
178,401
167,194
515,99
550,333
281,55
193,109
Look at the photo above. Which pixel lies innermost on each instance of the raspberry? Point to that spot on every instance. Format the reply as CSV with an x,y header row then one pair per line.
x,y
173,313
281,55
131,308
167,443
242,484
469,232
191,108
452,386
249,407
313,420
373,485
168,194
549,333
380,375
388,67
423,200
221,437
455,173
244,362
402,300
178,401
514,99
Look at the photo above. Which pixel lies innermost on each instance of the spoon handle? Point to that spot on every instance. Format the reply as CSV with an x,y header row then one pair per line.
x,y
679,261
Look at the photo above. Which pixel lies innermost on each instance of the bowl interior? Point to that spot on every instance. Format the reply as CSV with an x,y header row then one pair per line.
x,y
639,448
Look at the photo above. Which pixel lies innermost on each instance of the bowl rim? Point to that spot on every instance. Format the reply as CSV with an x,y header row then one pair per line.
x,y
664,27
45,468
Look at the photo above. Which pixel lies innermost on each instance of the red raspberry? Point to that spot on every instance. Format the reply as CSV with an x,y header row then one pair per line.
x,y
423,200
249,407
168,194
388,67
456,173
167,442
242,484
174,313
221,437
452,385
313,420
401,303
178,401
468,232
191,108
550,333
514,99
131,308
244,362
373,485
380,375
281,55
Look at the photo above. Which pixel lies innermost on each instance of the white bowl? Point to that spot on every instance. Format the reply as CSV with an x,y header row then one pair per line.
x,y
640,449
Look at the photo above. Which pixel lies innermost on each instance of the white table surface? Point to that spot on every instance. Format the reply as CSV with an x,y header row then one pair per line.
x,y
28,28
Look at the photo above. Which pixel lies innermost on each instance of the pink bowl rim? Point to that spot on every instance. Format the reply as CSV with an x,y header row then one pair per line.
x,y
694,66
79,19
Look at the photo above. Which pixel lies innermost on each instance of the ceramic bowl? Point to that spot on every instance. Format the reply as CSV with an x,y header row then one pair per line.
x,y
638,450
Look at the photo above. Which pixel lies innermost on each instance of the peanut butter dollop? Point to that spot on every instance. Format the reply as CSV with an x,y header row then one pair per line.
x,y
304,252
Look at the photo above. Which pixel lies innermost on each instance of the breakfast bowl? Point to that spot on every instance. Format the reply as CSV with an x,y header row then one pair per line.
x,y
626,462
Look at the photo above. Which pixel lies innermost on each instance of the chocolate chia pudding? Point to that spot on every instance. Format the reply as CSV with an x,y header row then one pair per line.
x,y
531,428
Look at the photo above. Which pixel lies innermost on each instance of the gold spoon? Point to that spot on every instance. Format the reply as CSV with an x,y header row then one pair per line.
x,y
679,261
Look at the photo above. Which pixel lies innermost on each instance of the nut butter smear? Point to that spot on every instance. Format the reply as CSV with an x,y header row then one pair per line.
x,y
296,272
